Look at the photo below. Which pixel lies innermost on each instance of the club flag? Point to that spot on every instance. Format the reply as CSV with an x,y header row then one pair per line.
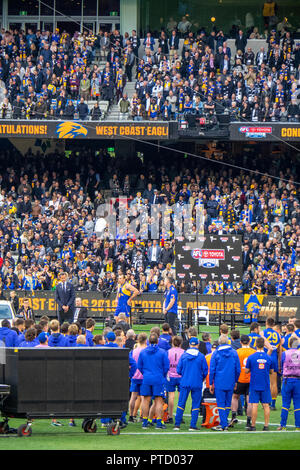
x,y
252,306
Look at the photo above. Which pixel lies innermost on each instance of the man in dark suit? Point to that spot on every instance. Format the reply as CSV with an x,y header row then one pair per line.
x,y
158,56
219,57
241,41
80,312
65,299
173,43
135,43
111,56
156,197
246,257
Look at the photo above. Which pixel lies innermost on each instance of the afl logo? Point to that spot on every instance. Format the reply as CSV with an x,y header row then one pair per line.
x,y
243,130
197,254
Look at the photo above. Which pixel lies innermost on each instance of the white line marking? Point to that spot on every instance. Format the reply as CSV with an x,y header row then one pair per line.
x,y
270,424
257,422
202,433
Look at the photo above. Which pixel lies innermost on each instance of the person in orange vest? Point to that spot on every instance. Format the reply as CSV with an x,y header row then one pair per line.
x,y
242,386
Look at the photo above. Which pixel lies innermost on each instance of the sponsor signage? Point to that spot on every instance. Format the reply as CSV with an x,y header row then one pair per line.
x,y
254,131
208,254
43,303
210,258
86,129
269,132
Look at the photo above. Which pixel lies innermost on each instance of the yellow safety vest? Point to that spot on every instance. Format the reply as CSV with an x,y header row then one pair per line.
x,y
269,9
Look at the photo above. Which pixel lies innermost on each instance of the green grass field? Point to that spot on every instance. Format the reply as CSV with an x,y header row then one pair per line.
x,y
46,437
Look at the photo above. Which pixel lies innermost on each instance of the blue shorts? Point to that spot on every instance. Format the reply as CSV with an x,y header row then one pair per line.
x,y
152,390
123,309
262,396
172,384
135,385
274,362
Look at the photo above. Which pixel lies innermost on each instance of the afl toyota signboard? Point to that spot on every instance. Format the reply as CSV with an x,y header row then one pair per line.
x,y
210,258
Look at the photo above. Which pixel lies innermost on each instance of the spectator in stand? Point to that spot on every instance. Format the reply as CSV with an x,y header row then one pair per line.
x,y
173,44
82,110
184,26
124,107
149,42
96,112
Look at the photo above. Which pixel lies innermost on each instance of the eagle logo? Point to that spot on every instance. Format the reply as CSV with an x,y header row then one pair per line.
x,y
252,307
70,129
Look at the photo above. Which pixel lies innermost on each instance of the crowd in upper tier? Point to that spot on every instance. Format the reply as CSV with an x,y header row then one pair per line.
x,y
56,75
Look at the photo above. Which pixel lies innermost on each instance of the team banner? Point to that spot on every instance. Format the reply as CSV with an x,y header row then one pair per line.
x,y
252,305
43,303
266,132
209,258
151,305
86,129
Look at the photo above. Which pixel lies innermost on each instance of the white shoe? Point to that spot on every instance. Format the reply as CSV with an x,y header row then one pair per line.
x,y
218,428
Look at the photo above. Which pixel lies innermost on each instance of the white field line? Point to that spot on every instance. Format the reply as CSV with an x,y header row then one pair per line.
x,y
201,433
257,422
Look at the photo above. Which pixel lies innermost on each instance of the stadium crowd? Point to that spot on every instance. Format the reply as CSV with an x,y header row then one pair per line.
x,y
207,78
48,209
54,75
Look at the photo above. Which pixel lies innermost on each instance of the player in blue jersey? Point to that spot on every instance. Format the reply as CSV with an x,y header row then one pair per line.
x,y
286,339
274,339
254,334
260,366
297,327
170,303
126,293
